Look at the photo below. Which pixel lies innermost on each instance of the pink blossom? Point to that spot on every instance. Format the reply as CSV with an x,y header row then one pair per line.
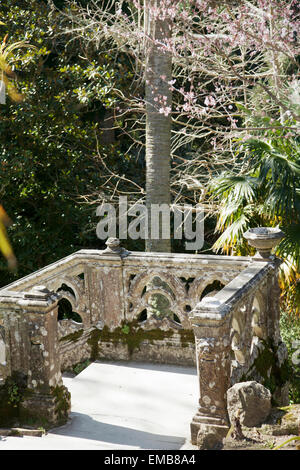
x,y
210,101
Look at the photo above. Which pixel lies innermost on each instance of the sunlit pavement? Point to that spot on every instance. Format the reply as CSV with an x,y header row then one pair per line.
x,y
123,406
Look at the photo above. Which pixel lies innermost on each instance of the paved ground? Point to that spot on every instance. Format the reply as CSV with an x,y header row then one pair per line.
x,y
123,406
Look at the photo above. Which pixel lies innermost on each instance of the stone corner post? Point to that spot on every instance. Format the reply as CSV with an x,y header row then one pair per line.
x,y
34,356
211,325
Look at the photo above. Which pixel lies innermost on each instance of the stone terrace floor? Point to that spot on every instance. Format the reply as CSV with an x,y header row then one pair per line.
x,y
123,406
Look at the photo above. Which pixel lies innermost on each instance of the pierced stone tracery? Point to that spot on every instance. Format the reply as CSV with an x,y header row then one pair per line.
x,y
226,306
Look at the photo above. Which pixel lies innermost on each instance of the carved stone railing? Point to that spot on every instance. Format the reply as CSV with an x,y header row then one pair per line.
x,y
237,339
108,290
112,291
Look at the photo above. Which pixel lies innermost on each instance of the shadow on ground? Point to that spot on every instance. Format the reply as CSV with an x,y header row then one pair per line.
x,y
84,427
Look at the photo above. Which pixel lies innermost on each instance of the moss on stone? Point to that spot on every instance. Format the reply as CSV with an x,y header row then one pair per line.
x,y
93,341
273,375
132,335
187,337
290,417
62,402
283,421
73,336
36,419
34,416
286,408
14,399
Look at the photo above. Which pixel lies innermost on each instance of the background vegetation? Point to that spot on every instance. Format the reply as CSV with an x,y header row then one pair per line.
x,y
48,140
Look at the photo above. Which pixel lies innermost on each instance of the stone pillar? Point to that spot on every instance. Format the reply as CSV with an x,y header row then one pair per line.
x,y
212,335
34,356
106,285
107,292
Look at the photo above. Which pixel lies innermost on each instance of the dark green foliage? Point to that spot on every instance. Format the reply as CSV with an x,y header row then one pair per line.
x,y
48,142
11,395
267,193
290,332
77,368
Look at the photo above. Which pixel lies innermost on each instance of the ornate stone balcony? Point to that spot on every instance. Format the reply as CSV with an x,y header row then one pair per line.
x,y
220,313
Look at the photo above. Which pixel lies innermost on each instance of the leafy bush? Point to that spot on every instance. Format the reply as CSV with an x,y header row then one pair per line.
x,y
290,333
49,141
265,193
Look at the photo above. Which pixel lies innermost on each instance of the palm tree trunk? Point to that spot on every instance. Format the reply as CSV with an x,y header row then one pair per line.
x,y
158,125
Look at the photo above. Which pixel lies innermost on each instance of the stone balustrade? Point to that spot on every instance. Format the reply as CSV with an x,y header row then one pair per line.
x,y
237,339
217,312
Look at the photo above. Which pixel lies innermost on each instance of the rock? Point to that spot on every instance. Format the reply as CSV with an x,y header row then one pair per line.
x,y
27,432
20,432
211,437
250,401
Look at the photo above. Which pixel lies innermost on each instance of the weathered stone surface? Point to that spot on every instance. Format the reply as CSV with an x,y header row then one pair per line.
x,y
250,401
112,294
213,364
263,239
46,410
211,437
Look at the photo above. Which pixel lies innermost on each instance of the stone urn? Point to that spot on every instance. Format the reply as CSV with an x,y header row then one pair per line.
x,y
264,239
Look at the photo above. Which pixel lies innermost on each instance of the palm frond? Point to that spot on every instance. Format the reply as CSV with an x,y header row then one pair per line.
x,y
5,246
233,235
236,187
289,247
257,146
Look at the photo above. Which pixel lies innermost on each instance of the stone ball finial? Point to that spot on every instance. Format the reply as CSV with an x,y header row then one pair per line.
x,y
263,239
114,247
112,242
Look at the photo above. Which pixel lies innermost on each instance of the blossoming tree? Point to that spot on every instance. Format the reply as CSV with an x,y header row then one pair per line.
x,y
207,66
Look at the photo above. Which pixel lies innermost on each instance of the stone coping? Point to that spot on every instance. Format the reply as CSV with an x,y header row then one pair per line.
x,y
77,260
224,301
